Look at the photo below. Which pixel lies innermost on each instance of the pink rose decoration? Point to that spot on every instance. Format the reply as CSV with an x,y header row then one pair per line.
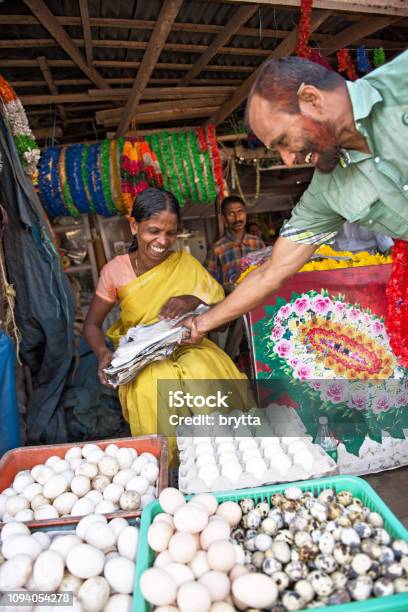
x,y
354,314
303,371
377,328
301,304
294,361
277,332
316,385
284,312
367,320
283,348
382,403
321,305
359,400
334,391
402,399
339,308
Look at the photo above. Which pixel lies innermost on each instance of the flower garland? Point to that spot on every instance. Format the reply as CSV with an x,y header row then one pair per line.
x,y
397,306
363,63
73,164
215,159
94,181
178,164
379,57
66,191
346,64
114,173
154,143
189,169
132,172
48,183
104,157
202,140
23,137
302,48
194,158
84,174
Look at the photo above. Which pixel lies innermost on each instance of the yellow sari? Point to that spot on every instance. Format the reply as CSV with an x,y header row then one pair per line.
x,y
140,303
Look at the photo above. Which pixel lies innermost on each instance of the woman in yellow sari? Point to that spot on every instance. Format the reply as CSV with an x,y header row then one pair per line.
x,y
152,282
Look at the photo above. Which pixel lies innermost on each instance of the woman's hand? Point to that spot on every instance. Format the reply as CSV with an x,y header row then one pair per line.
x,y
178,306
104,359
195,336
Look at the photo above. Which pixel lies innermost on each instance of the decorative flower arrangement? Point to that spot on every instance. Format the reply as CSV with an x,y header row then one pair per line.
x,y
346,64
23,137
397,302
337,356
302,44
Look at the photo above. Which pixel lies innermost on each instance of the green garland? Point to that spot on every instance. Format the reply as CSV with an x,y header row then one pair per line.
x,y
195,163
24,143
208,176
84,173
168,158
178,164
188,169
66,190
104,157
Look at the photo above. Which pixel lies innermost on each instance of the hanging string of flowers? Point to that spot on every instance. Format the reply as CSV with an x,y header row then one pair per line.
x,y
23,137
346,64
105,177
363,63
379,57
302,48
397,302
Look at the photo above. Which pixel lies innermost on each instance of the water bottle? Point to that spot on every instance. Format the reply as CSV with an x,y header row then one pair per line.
x,y
325,439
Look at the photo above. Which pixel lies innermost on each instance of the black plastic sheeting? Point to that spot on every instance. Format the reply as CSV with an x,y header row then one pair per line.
x,y
44,300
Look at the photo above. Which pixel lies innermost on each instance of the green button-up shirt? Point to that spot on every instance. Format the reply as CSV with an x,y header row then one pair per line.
x,y
370,189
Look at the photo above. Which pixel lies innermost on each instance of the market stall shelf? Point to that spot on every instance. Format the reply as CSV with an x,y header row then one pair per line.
x,y
26,458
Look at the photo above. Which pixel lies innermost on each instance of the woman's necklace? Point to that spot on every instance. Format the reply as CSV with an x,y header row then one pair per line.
x,y
138,273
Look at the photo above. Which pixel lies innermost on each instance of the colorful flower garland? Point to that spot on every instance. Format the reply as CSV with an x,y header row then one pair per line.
x,y
215,159
397,298
66,191
346,64
23,137
302,48
105,176
48,183
73,162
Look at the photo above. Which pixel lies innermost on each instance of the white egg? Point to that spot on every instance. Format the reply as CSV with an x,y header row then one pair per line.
x,y
74,462
208,473
9,492
94,594
52,460
100,482
73,453
108,466
24,515
113,492
163,558
182,546
158,536
119,602
87,520
80,485
250,453
117,525
15,572
179,572
20,544
21,482
204,459
16,503
232,470
68,475
70,583
13,528
304,458
145,500
256,466
111,450
226,457
139,484
96,496
65,502
3,499
226,447
42,473
83,507
64,543
32,490
38,501
193,597
246,443
231,512
139,463
60,466
171,499
204,448
43,539
54,487
221,555
100,536
130,500
119,572
208,501
164,516
199,564
123,476
95,456
272,450
85,561
45,512
87,469
87,449
127,542
157,587
150,471
215,530
217,584
124,457
281,463
134,452
255,590
48,570
190,518
106,507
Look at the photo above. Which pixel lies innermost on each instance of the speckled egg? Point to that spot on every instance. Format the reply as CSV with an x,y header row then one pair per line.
x,y
270,526
321,583
345,498
271,565
361,563
326,543
281,580
281,551
381,536
296,570
383,587
263,509
325,563
247,505
360,588
293,601
342,554
293,493
350,537
305,590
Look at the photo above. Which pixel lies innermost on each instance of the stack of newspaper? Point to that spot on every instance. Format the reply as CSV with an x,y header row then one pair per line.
x,y
144,344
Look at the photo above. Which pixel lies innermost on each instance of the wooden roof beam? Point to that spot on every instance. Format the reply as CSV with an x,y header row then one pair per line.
x,y
168,14
381,7
46,72
50,23
240,17
118,64
124,81
286,47
86,30
357,31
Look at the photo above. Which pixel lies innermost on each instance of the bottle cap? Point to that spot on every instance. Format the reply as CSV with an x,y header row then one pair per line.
x,y
323,420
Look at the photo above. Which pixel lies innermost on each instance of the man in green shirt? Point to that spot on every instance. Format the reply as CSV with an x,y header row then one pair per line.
x,y
355,134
